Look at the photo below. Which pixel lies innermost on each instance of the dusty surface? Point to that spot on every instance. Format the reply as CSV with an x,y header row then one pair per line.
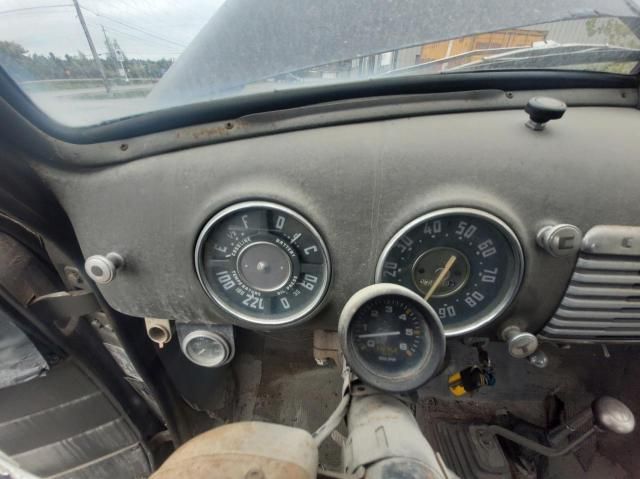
x,y
277,380
576,376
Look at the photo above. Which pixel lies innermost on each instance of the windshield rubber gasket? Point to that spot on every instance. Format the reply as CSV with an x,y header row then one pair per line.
x,y
235,107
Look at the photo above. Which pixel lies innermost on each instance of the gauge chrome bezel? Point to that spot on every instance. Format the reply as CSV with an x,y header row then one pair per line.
x,y
514,244
301,315
184,345
409,381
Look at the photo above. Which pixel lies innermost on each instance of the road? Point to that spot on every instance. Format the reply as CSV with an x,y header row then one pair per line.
x,y
90,106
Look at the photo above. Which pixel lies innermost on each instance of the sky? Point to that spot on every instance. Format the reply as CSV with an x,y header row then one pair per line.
x,y
149,29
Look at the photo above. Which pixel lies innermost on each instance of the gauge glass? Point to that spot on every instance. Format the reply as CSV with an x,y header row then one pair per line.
x,y
466,263
206,351
263,263
389,335
391,338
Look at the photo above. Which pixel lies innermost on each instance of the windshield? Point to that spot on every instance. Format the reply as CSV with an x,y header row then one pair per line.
x,y
86,62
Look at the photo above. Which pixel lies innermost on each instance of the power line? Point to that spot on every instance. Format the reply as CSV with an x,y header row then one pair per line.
x,y
148,17
142,39
129,52
144,15
16,10
134,28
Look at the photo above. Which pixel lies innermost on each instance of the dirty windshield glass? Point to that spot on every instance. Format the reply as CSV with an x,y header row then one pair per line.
x,y
85,62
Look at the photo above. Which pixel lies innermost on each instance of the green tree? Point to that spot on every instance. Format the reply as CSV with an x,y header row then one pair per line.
x,y
25,67
615,31
14,57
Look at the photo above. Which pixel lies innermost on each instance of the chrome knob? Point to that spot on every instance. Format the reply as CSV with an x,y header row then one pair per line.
x,y
520,344
613,415
103,269
560,240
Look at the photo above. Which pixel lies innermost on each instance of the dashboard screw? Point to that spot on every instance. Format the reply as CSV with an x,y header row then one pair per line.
x,y
509,94
539,359
228,125
73,276
124,147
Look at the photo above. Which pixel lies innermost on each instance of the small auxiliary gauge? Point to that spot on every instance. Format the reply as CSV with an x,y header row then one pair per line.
x,y
391,338
206,348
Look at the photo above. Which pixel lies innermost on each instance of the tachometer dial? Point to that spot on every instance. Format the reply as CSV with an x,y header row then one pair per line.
x,y
466,263
391,337
263,263
389,334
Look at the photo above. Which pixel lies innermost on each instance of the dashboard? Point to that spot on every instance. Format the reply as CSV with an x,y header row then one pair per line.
x,y
278,231
265,264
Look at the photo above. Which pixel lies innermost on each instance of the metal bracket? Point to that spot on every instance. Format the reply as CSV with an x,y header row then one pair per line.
x,y
326,345
65,304
536,446
65,308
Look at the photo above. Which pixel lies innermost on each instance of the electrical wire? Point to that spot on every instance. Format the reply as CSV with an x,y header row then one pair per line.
x,y
112,29
25,9
127,25
333,421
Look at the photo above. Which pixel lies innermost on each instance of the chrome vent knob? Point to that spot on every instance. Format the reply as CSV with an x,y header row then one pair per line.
x,y
103,269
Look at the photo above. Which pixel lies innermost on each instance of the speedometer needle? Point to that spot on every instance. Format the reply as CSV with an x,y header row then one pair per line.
x,y
440,277
379,335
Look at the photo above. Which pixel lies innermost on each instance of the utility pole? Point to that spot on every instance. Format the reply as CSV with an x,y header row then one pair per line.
x,y
92,47
121,59
112,53
116,55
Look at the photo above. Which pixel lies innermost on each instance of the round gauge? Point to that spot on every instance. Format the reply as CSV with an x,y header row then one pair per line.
x,y
391,337
466,263
263,263
206,348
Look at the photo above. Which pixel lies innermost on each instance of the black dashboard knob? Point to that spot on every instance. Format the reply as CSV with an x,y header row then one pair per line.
x,y
541,109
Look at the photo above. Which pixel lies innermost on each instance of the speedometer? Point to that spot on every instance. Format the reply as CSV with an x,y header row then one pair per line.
x,y
263,263
466,263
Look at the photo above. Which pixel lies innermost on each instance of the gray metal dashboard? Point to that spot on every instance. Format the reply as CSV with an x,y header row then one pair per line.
x,y
358,184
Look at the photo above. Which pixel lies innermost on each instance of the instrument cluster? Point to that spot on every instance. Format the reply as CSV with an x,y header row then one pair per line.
x,y
265,264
